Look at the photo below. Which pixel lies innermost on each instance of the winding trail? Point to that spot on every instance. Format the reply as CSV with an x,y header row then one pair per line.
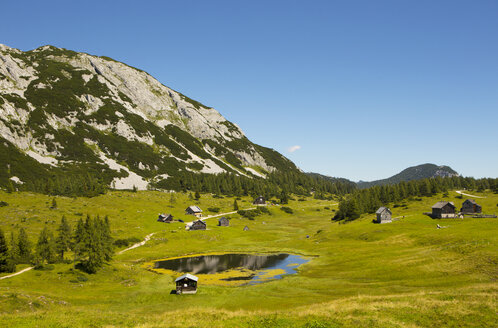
x,y
461,193
146,239
17,273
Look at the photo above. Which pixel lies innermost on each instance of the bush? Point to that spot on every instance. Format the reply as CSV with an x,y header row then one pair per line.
x,y
287,209
3,204
126,241
214,209
264,210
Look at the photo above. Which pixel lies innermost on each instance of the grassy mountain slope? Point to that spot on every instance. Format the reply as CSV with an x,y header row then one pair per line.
x,y
418,172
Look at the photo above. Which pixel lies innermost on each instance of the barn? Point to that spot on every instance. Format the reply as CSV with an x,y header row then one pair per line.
x,y
186,284
470,207
443,209
259,201
165,218
198,225
384,215
223,222
194,210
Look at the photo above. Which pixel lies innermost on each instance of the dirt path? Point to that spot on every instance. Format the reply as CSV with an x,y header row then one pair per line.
x,y
17,273
461,193
146,239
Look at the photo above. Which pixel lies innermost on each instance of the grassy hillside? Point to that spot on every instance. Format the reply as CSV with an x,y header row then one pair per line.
x,y
404,274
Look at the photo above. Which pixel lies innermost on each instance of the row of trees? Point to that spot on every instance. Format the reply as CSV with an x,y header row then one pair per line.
x,y
370,199
90,242
274,185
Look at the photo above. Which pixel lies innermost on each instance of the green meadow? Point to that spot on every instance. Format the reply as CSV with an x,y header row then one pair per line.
x,y
404,274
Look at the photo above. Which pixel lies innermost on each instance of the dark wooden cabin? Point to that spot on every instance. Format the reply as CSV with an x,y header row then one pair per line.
x,y
246,228
223,222
194,210
470,207
384,215
443,209
259,201
186,284
198,225
167,218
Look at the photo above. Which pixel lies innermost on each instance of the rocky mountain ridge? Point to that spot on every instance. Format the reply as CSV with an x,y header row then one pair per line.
x,y
64,111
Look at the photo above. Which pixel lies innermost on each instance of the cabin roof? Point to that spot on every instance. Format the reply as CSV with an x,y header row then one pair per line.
x,y
442,204
382,209
199,221
222,218
188,276
195,209
471,201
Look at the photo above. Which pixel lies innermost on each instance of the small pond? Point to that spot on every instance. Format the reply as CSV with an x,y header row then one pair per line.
x,y
236,268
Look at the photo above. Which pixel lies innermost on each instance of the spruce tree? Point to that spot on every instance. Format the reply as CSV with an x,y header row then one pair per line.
x,y
13,252
79,240
63,241
197,195
45,247
235,205
6,265
23,247
54,204
172,198
107,239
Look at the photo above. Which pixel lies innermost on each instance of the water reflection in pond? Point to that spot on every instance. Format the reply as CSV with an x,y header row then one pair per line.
x,y
258,267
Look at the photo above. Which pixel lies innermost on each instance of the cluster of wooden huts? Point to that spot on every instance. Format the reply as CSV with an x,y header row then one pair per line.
x,y
440,210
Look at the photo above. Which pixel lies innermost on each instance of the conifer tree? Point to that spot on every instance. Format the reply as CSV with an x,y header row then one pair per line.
x,y
45,247
13,252
63,241
23,247
197,195
6,265
172,198
235,205
54,204
107,239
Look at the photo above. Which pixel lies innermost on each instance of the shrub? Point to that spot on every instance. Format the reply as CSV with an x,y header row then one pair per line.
x,y
214,209
287,209
3,204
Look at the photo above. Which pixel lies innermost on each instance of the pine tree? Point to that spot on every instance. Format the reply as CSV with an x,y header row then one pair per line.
x,y
63,241
79,240
13,252
190,196
6,265
23,247
45,247
235,205
172,198
197,195
54,204
107,240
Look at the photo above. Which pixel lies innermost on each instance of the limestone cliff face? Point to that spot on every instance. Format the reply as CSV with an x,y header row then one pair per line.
x,y
63,108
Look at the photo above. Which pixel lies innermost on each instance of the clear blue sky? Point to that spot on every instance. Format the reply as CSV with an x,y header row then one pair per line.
x,y
365,88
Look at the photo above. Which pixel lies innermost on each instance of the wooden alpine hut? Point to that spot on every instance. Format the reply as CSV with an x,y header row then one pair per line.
x,y
223,222
384,215
259,201
443,209
186,284
165,218
194,210
470,207
198,225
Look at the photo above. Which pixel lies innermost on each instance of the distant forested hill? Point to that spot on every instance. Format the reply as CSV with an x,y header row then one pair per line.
x,y
418,172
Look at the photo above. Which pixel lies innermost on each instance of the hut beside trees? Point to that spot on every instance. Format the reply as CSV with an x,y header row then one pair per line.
x,y
259,201
470,207
384,215
186,284
443,209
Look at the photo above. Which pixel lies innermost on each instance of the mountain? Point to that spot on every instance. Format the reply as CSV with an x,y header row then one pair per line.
x,y
418,172
70,114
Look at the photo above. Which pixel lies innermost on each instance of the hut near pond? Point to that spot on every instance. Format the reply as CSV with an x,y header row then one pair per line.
x,y
383,215
223,222
198,225
259,201
443,209
186,284
246,228
470,207
194,210
165,218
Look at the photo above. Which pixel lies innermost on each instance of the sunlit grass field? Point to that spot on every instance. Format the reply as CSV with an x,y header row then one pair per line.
x,y
404,274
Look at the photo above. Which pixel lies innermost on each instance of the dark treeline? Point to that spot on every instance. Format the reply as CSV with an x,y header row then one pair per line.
x,y
90,242
370,199
274,185
70,185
